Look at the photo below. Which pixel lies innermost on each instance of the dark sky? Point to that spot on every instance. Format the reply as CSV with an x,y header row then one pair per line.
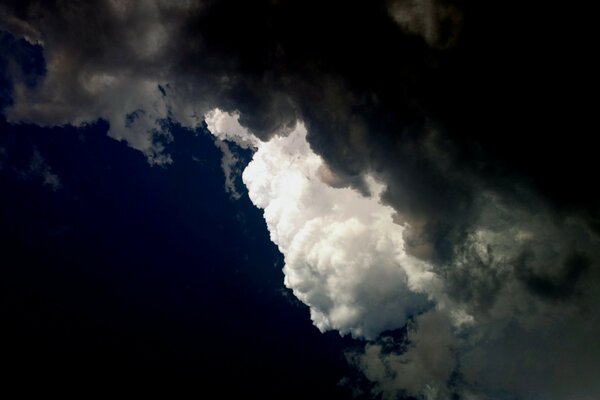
x,y
93,290
301,199
127,275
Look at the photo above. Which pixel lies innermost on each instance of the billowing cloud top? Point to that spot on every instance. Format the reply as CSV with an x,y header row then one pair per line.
x,y
404,158
344,256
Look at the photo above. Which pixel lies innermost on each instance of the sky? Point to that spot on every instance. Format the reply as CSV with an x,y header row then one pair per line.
x,y
300,199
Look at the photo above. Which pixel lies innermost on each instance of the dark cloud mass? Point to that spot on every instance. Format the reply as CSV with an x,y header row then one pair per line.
x,y
375,97
471,113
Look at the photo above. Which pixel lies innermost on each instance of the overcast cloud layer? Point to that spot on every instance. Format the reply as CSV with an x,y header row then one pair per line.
x,y
404,161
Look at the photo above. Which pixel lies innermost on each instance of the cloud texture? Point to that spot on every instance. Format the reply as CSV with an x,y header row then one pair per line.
x,y
403,161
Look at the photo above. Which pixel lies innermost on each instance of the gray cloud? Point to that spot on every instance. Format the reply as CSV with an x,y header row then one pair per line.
x,y
438,22
423,368
230,170
40,170
562,284
529,279
445,103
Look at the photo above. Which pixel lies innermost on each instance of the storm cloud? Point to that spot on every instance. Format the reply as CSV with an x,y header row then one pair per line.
x,y
419,162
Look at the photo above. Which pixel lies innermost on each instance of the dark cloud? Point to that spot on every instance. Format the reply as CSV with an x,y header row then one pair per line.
x,y
562,285
476,280
440,125
374,97
470,113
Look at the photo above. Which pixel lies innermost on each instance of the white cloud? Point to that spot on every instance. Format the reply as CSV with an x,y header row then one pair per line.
x,y
344,255
345,258
226,126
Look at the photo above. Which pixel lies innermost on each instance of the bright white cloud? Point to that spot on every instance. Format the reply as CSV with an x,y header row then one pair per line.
x,y
226,126
345,258
509,293
344,255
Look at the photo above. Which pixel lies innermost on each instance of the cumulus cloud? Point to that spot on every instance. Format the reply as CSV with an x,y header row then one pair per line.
x,y
422,368
226,126
403,161
346,258
528,280
103,61
76,91
343,253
